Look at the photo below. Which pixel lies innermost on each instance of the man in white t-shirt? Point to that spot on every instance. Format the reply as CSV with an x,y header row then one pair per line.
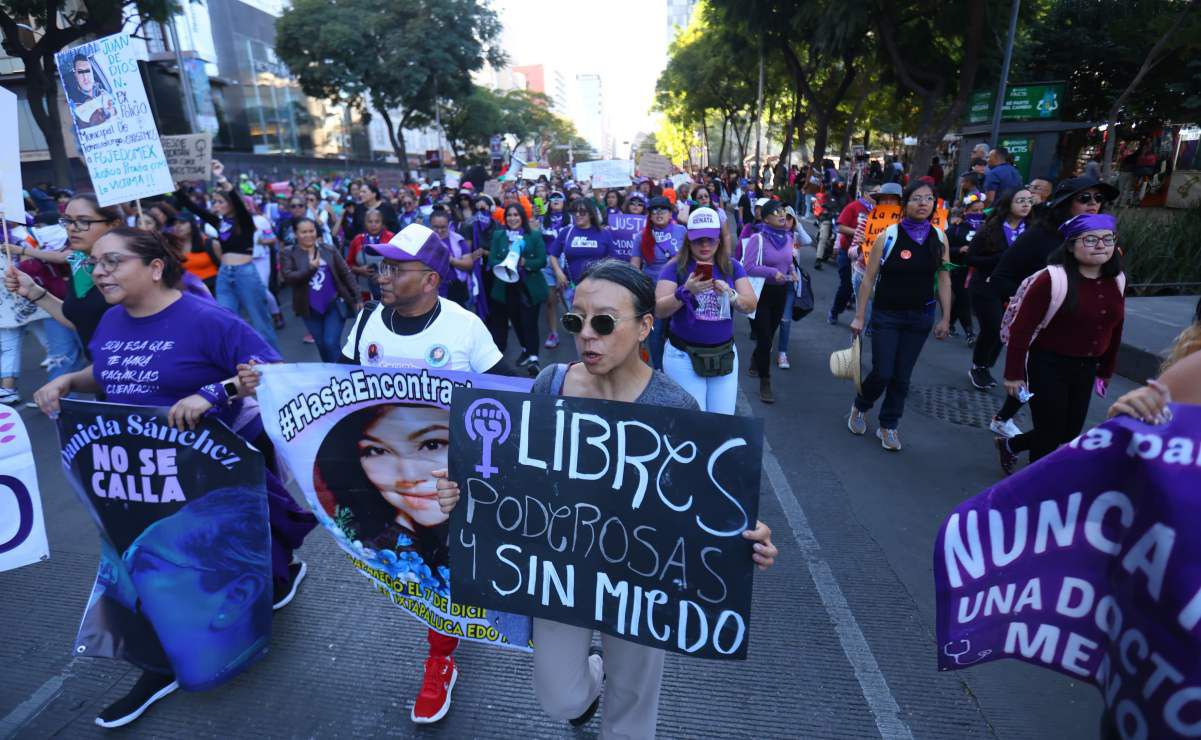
x,y
414,323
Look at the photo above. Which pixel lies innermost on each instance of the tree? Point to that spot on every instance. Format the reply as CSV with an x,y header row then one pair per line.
x,y
53,26
388,55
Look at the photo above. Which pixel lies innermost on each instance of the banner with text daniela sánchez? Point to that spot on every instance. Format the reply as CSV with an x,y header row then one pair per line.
x,y
1088,563
362,443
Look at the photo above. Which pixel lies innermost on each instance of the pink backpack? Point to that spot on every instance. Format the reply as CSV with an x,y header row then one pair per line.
x,y
1059,291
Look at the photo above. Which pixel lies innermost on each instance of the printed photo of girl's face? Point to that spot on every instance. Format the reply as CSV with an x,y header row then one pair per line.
x,y
399,451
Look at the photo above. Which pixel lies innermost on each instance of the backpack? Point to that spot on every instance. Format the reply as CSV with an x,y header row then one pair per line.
x,y
1059,291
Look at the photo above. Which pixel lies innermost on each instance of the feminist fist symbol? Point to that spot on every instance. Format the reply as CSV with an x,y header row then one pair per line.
x,y
488,421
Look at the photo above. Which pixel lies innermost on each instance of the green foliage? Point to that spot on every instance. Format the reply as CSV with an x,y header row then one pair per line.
x,y
345,521
1160,245
471,120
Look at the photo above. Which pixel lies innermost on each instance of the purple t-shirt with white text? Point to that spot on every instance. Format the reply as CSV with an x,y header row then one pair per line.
x,y
703,324
157,360
579,248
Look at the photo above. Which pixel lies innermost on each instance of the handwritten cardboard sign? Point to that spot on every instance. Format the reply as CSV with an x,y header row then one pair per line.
x,y
189,156
612,516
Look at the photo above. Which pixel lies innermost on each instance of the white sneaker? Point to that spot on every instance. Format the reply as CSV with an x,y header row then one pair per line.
x,y
1005,428
10,396
782,361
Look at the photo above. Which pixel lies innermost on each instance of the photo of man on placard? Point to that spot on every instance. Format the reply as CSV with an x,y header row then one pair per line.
x,y
88,91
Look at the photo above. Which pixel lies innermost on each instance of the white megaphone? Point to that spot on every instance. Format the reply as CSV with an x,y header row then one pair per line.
x,y
507,269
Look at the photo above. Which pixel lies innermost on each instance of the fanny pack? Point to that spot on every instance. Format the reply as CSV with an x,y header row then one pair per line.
x,y
708,362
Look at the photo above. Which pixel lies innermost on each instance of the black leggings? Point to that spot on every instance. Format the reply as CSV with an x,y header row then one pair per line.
x,y
521,313
989,310
961,300
1061,386
767,319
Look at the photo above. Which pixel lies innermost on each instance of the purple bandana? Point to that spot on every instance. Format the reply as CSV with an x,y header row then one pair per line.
x,y
917,230
227,228
1013,232
1077,225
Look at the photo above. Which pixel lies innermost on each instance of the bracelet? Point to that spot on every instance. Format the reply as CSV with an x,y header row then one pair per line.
x,y
43,295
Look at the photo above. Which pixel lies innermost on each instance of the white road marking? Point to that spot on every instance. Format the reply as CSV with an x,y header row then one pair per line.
x,y
21,714
859,654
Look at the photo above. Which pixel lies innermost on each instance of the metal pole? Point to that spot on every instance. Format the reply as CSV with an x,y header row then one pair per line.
x,y
759,113
999,103
185,83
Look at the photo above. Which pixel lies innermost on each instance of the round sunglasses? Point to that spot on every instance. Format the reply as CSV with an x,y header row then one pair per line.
x,y
602,323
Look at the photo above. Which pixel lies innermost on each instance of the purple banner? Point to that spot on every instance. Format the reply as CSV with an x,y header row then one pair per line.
x,y
1088,563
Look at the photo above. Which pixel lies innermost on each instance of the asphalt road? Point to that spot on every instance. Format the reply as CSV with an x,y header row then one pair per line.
x,y
842,636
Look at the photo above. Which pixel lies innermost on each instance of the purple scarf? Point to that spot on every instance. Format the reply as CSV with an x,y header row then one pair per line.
x,y
917,230
975,220
1012,233
778,237
227,228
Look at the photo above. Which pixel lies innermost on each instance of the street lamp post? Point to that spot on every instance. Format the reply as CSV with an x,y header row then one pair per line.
x,y
995,131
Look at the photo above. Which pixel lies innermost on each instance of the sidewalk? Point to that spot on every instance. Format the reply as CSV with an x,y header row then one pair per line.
x,y
1151,326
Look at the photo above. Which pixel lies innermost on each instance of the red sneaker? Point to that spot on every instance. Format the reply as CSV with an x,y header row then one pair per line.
x,y
433,701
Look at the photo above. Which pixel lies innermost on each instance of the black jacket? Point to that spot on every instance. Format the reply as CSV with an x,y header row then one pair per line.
x,y
1026,256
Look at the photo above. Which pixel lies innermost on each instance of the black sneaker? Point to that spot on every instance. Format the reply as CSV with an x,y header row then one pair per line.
x,y
981,378
590,712
533,368
148,689
970,338
286,591
1009,460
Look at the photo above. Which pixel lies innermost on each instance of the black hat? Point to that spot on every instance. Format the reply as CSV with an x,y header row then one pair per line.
x,y
1068,188
658,202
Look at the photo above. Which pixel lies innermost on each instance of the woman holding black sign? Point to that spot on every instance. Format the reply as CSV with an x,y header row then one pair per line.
x,y
194,357
611,315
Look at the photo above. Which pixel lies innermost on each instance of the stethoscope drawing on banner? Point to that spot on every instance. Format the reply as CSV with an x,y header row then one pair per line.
x,y
967,648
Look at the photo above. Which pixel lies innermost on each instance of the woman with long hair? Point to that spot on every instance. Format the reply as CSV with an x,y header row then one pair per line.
x,y
519,300
239,286
611,314
203,366
905,262
1003,227
698,290
612,204
960,233
659,241
324,294
200,254
1065,335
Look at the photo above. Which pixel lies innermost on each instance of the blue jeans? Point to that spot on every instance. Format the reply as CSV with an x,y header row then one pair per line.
x,y
240,287
63,351
786,322
655,342
897,340
844,293
326,329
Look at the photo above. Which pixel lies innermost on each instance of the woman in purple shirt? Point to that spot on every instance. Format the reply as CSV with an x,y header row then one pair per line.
x,y
194,356
658,243
694,291
579,245
769,256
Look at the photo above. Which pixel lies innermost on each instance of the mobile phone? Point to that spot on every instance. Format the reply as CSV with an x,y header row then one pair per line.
x,y
704,272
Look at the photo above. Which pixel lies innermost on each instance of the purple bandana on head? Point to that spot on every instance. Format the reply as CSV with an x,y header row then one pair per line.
x,y
917,230
1077,225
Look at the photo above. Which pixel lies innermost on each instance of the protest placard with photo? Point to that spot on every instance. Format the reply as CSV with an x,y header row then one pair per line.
x,y
1087,562
362,443
22,528
612,516
113,122
184,584
189,156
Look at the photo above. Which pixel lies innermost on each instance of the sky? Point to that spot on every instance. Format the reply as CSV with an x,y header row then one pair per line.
x,y
624,41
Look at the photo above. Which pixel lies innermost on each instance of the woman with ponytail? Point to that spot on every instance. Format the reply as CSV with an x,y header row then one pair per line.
x,y
661,239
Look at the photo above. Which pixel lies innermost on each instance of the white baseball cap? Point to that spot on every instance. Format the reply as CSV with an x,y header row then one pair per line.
x,y
703,223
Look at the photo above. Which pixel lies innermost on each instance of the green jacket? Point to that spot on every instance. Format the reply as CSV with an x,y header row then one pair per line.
x,y
534,253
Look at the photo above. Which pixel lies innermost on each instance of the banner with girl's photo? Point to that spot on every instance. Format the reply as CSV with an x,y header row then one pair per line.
x,y
362,443
184,583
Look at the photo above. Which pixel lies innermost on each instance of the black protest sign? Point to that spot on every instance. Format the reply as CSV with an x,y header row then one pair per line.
x,y
613,516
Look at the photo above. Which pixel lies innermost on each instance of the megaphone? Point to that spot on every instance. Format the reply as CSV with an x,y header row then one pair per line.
x,y
506,271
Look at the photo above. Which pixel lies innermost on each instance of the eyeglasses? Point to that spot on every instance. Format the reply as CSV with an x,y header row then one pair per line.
x,y
109,262
660,210
602,323
79,224
922,199
388,270
1023,201
1090,198
296,205
1091,241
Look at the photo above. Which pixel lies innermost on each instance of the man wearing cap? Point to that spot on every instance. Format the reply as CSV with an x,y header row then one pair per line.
x,y
414,323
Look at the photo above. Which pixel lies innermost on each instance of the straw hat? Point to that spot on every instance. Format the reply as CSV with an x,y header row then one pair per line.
x,y
845,364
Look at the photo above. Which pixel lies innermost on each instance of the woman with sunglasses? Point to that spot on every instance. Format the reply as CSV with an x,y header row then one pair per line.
x,y
85,221
769,256
324,293
579,245
239,286
610,316
1060,361
657,244
903,267
1003,227
698,290
519,300
204,365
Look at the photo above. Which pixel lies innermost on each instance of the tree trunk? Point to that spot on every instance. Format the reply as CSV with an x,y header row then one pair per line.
x,y
1153,58
396,137
856,112
705,137
721,152
42,94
